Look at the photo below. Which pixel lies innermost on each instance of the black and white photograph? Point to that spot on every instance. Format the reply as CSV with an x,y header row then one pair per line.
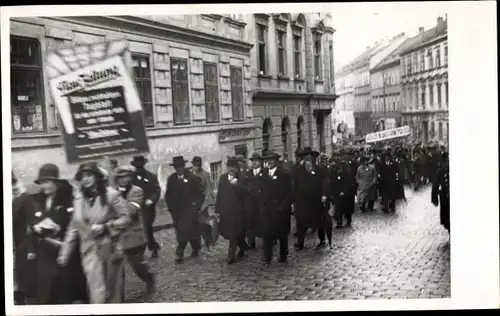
x,y
237,154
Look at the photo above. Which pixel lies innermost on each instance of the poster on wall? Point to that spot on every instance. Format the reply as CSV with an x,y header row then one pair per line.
x,y
97,101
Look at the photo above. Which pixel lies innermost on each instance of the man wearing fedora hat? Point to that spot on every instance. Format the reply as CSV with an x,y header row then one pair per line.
x,y
149,184
184,197
231,206
276,211
133,239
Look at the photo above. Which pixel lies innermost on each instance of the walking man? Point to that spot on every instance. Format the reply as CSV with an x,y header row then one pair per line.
x,y
132,240
366,177
256,182
230,205
184,197
149,184
275,214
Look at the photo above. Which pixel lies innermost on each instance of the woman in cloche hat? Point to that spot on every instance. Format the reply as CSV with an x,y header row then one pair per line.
x,y
100,217
49,219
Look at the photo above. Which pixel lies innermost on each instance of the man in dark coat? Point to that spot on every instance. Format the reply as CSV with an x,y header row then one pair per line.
x,y
275,215
391,186
255,183
310,195
341,191
149,184
440,194
184,197
231,206
350,186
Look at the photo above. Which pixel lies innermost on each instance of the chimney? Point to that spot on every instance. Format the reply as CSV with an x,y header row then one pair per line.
x,y
421,30
439,20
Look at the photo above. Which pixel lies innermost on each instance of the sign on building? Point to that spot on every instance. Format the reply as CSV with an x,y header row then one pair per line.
x,y
97,101
388,134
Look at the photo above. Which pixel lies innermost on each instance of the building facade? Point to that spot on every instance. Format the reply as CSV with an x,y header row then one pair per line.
x,y
344,106
292,79
424,84
204,109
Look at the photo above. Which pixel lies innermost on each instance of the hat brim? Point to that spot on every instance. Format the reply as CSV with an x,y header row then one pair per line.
x,y
178,163
39,180
256,158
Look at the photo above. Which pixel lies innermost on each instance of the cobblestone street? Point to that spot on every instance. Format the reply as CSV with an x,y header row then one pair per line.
x,y
383,256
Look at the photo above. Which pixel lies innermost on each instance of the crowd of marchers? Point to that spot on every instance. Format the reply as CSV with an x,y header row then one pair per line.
x,y
72,239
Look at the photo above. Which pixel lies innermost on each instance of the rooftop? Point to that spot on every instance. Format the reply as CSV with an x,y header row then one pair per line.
x,y
439,30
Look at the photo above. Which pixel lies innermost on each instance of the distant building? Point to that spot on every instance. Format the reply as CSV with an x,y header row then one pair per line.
x,y
344,105
424,83
385,89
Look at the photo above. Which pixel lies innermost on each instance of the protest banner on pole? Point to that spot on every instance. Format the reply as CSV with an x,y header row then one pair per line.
x,y
388,134
97,101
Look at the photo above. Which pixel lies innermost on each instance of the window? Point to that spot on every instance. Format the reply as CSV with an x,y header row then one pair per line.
x,y
266,134
281,52
403,66
431,94
440,130
296,56
408,65
430,58
180,91
422,61
142,72
215,173
261,40
26,85
432,130
317,56
284,135
299,132
439,95
446,55
446,91
415,62
211,92
237,94
320,131
416,97
241,150
438,57
422,97
332,72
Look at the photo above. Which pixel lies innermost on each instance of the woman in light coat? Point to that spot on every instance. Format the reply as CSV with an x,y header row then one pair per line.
x,y
100,216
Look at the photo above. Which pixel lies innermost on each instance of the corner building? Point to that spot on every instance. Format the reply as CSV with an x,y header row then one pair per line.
x,y
193,75
292,77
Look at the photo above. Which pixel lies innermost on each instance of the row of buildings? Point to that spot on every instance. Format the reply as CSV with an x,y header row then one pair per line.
x,y
398,81
210,85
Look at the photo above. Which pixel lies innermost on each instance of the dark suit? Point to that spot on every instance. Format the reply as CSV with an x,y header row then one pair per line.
x,y
230,204
275,214
184,198
256,184
441,194
149,184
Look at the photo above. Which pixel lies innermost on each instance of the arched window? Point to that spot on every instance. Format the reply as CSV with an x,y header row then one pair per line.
x,y
300,123
267,129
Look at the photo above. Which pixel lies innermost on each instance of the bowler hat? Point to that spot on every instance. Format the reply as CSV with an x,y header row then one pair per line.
x,y
139,160
91,167
196,160
178,161
232,162
124,171
308,151
48,171
270,154
256,156
241,158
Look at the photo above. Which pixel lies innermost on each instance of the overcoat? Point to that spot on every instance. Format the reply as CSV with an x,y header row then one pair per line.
x,y
277,200
230,204
310,187
341,181
391,183
134,235
441,194
255,184
102,256
366,177
53,284
151,189
184,198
